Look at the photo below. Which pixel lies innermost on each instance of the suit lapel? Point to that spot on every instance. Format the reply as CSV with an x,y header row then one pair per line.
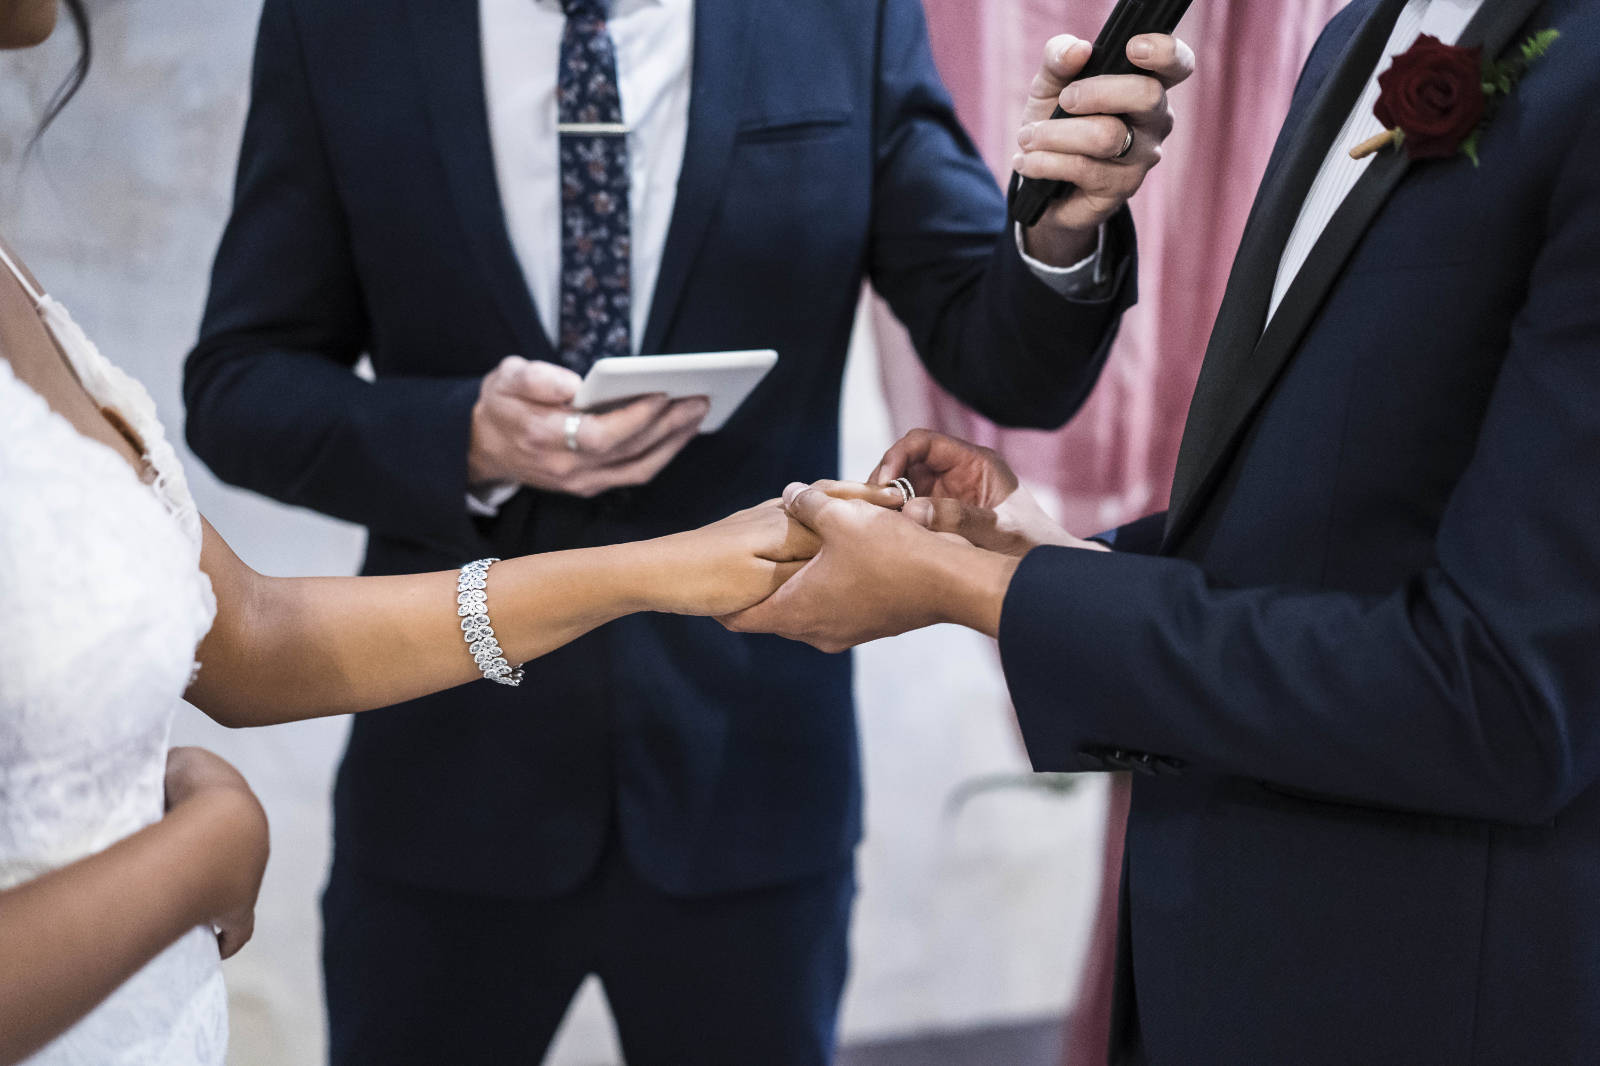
x,y
449,50
1301,149
717,88
1242,363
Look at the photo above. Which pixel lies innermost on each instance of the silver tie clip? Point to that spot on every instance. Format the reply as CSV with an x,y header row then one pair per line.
x,y
604,129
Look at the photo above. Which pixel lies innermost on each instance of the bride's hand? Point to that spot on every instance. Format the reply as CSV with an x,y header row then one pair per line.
x,y
196,777
729,565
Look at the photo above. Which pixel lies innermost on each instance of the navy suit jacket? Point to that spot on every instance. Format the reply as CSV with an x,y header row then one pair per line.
x,y
822,150
1358,665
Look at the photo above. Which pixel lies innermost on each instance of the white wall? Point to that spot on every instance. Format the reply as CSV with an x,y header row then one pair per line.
x,y
962,919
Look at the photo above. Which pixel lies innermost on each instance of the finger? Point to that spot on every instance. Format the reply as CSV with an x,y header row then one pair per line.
x,y
640,471
789,540
808,507
800,545
1107,183
945,515
878,495
939,515
679,416
1095,136
600,435
1168,58
920,447
1064,59
538,382
1138,97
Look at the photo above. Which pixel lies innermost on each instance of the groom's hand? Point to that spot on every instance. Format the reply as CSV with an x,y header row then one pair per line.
x,y
876,575
970,491
519,433
939,465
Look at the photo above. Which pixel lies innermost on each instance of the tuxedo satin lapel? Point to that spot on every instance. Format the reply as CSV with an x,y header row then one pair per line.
x,y
1298,156
717,89
450,54
1241,385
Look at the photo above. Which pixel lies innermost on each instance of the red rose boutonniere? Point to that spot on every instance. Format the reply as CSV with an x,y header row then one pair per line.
x,y
1437,98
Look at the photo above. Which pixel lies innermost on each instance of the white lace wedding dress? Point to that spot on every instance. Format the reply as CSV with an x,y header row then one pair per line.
x,y
102,604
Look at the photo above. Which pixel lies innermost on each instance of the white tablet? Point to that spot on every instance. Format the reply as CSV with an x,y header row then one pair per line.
x,y
724,378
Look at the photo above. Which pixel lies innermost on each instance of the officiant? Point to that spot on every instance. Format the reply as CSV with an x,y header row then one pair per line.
x,y
480,200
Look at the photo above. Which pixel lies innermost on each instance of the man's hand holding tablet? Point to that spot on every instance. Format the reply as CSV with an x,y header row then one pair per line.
x,y
520,433
541,425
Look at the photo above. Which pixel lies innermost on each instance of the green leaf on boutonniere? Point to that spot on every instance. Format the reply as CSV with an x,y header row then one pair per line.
x,y
1536,46
1469,147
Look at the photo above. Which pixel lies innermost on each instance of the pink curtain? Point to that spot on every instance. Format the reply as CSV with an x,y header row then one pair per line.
x,y
1114,462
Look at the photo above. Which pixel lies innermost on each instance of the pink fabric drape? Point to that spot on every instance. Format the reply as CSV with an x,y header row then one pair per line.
x,y
1114,462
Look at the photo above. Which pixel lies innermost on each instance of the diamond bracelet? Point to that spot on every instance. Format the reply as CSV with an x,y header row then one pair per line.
x,y
473,606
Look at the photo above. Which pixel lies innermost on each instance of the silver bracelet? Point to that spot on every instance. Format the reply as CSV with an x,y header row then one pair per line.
x,y
473,606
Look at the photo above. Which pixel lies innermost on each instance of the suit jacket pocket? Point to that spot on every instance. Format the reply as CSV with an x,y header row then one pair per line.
x,y
795,126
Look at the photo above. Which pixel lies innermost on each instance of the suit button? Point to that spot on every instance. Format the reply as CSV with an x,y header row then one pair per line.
x,y
1119,759
1144,763
1095,757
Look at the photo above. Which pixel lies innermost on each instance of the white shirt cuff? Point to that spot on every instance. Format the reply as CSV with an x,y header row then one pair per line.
x,y
485,501
1077,280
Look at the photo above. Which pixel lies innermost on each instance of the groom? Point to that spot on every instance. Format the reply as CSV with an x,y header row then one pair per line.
x,y
1356,666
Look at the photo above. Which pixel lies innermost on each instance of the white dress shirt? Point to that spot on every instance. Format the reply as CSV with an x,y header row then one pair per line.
x,y
1444,19
521,63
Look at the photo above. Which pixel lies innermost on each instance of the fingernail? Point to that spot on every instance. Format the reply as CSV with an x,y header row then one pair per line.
x,y
793,489
1069,98
1025,137
1141,50
1016,161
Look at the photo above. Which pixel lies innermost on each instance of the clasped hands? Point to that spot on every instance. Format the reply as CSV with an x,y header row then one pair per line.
x,y
884,565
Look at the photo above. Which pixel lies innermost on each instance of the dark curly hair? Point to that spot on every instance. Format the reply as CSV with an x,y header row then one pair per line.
x,y
80,70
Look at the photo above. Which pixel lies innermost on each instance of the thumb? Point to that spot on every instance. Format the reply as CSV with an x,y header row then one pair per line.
x,y
807,505
1065,56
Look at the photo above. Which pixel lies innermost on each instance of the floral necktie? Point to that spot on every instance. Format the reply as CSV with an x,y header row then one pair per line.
x,y
595,227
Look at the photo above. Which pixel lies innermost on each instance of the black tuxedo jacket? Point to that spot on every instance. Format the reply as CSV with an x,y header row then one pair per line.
x,y
822,150
1358,667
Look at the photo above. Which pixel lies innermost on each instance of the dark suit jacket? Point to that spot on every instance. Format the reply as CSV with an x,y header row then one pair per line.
x,y
1361,674
822,150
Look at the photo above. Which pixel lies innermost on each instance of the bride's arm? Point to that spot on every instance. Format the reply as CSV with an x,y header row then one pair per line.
x,y
71,937
284,649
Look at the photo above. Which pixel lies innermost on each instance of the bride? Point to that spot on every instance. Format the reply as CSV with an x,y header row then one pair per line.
x,y
126,869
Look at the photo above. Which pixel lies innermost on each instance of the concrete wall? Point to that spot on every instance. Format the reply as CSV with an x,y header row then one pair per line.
x,y
962,920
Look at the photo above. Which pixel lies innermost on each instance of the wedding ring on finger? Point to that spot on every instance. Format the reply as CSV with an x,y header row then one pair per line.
x,y
1127,142
906,490
570,429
